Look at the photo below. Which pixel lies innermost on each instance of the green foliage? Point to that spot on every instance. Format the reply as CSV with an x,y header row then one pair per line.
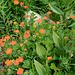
x,y
4,16
41,51
39,67
50,51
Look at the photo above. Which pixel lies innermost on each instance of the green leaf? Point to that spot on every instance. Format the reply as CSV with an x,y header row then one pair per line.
x,y
26,72
44,1
69,8
72,25
27,64
41,51
55,9
39,67
53,66
56,39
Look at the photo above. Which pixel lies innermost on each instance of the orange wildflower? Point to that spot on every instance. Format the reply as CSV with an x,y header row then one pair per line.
x,y
7,37
26,35
28,31
1,53
26,16
20,59
15,22
72,16
20,71
2,44
17,31
16,2
8,62
49,58
36,33
16,62
25,49
1,40
52,22
31,17
54,27
39,20
66,37
20,37
25,6
13,42
45,18
49,12
21,45
58,22
71,55
67,17
21,4
10,22
22,23
25,41
8,51
42,31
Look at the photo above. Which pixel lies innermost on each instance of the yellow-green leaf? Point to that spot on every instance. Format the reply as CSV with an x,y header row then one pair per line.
x,y
39,67
41,51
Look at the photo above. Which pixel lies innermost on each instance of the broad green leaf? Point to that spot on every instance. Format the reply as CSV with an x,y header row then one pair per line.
x,y
55,9
53,66
39,67
56,39
72,25
27,64
41,51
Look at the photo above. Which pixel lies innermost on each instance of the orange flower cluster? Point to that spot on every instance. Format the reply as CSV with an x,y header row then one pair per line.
x,y
8,51
26,35
71,54
36,33
13,42
66,37
17,31
26,16
31,17
10,22
25,49
21,4
7,37
52,22
45,18
58,22
8,62
49,58
20,37
25,6
42,31
72,16
48,12
39,20
16,62
21,45
22,23
20,71
1,42
16,2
